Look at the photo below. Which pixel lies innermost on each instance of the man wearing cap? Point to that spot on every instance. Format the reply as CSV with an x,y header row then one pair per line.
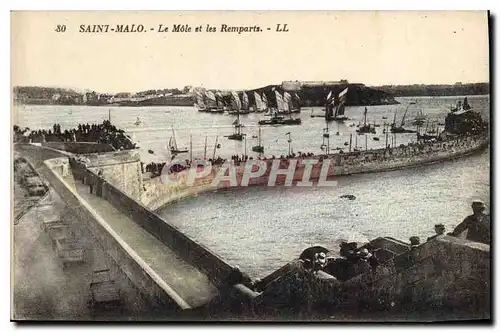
x,y
439,229
477,225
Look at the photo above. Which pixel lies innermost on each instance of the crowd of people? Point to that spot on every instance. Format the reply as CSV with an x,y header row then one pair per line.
x,y
99,133
354,261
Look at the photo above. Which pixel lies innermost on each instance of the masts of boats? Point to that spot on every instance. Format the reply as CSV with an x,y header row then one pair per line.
x,y
221,105
433,129
326,134
279,120
335,107
259,148
237,135
366,128
235,105
245,105
401,129
461,107
200,101
172,145
419,118
212,103
260,105
292,102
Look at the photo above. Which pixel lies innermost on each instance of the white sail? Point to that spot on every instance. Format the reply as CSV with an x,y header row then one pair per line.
x,y
342,94
244,101
279,102
264,101
211,100
172,143
329,98
199,99
287,99
258,101
235,101
210,95
219,98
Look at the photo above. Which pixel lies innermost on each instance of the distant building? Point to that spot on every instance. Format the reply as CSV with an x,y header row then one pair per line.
x,y
56,96
296,85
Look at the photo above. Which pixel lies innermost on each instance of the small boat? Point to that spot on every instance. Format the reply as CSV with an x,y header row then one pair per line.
x,y
366,128
237,135
346,143
400,129
151,151
259,148
384,117
138,121
279,120
349,197
376,138
420,118
292,121
172,144
338,103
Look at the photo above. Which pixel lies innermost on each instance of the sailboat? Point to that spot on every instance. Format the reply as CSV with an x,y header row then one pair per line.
x,y
237,135
294,103
282,107
259,103
326,134
366,128
245,106
265,103
200,101
462,107
235,106
172,145
400,129
138,121
221,105
419,118
212,105
335,107
259,148
425,136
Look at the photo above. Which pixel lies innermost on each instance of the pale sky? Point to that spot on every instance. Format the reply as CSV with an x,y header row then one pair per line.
x,y
373,48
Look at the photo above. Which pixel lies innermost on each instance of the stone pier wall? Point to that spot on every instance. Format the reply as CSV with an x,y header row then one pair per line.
x,y
162,190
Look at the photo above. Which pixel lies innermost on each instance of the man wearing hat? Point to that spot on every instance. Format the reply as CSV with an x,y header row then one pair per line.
x,y
477,225
439,229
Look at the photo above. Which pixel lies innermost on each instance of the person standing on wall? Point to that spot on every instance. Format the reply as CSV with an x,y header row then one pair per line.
x,y
477,225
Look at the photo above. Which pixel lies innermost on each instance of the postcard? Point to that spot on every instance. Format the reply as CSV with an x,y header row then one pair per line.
x,y
328,166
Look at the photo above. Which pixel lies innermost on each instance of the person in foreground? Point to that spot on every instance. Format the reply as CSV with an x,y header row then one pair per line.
x,y
477,225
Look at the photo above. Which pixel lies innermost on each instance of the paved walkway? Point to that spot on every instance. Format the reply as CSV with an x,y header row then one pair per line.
x,y
188,282
191,285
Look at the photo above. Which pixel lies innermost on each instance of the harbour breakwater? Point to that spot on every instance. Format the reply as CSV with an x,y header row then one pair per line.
x,y
167,188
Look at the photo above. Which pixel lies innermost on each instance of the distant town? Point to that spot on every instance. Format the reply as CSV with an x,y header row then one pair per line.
x,y
310,92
